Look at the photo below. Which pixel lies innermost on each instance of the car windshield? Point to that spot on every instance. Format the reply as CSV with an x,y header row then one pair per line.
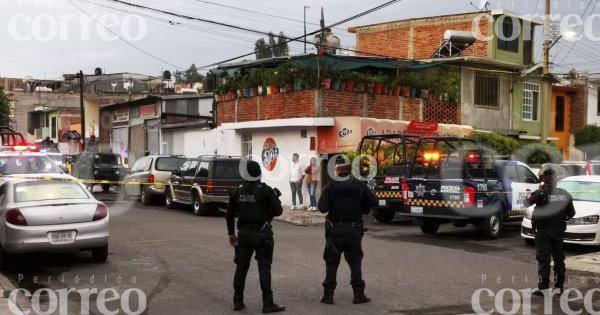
x,y
169,163
23,164
112,159
227,170
57,158
582,191
48,190
574,170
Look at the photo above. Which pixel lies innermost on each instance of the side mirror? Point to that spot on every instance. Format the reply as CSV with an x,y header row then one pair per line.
x,y
175,172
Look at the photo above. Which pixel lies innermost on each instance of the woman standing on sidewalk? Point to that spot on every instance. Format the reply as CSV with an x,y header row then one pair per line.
x,y
312,179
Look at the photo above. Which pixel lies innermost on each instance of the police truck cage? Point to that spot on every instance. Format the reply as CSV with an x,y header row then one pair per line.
x,y
390,155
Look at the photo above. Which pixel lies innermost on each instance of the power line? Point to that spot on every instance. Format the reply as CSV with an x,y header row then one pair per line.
x,y
121,38
575,43
379,7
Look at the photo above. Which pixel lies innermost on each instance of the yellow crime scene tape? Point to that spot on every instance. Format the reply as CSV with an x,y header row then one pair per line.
x,y
105,182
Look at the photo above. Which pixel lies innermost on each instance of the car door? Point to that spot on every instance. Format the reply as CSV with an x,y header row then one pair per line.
x,y
512,184
202,175
188,180
130,188
177,179
527,184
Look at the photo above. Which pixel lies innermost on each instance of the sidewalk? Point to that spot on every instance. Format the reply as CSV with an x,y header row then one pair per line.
x,y
5,288
585,263
301,217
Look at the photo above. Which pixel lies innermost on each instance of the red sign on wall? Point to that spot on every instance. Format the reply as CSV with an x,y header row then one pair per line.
x,y
270,153
148,110
424,126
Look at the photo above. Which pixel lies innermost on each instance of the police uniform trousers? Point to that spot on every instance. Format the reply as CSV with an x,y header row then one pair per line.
x,y
253,240
549,244
343,237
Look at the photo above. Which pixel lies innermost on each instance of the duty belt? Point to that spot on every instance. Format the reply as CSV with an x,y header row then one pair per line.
x,y
254,225
356,224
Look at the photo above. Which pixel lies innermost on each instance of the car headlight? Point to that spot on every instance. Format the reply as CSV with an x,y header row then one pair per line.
x,y
96,172
592,219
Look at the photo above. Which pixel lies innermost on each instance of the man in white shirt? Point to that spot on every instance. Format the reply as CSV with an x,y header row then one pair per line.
x,y
296,178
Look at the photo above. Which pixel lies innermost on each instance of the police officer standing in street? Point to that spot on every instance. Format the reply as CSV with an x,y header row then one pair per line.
x,y
255,204
553,207
345,199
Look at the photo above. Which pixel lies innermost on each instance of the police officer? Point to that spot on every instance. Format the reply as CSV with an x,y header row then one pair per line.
x,y
255,204
553,207
346,199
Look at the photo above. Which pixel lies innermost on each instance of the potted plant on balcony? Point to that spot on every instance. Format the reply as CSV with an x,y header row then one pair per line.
x,y
395,84
425,78
360,81
377,81
349,77
335,78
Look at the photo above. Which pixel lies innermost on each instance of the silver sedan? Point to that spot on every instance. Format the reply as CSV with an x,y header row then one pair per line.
x,y
51,215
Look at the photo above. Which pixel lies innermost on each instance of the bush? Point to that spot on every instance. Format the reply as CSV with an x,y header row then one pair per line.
x,y
503,145
587,139
538,153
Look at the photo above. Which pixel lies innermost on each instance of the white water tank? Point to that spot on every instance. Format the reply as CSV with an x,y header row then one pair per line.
x,y
460,37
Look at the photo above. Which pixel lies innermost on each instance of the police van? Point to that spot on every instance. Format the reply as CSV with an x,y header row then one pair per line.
x,y
456,180
385,161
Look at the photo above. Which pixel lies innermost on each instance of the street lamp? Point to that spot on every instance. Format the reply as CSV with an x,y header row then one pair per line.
x,y
305,7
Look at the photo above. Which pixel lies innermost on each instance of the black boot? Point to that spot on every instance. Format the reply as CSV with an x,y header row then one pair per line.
x,y
360,297
238,301
269,306
327,297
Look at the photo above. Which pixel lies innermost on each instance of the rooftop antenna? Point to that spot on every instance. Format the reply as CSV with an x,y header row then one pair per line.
x,y
483,5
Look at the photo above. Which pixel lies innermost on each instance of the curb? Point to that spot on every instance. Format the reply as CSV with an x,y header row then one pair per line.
x,y
22,301
586,263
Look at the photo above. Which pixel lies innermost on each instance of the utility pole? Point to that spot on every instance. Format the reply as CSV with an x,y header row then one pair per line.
x,y
305,7
81,109
546,88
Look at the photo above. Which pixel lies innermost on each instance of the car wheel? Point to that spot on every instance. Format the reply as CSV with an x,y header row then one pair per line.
x,y
169,203
5,259
529,241
105,187
197,206
491,227
144,197
429,226
100,254
384,215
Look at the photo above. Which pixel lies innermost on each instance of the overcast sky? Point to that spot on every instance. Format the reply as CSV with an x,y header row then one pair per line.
x,y
46,38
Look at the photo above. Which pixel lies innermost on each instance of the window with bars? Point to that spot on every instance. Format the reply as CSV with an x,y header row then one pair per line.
x,y
487,87
247,145
531,101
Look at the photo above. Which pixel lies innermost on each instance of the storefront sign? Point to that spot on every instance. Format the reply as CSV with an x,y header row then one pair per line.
x,y
147,111
270,153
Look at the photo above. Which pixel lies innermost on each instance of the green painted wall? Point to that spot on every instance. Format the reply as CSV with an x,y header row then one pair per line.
x,y
533,128
508,56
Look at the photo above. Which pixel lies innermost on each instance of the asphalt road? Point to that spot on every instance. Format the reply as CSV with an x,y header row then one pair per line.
x,y
184,265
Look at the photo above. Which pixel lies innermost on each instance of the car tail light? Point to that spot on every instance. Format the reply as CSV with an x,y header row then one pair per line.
x,y
405,188
14,216
151,178
210,186
469,196
101,212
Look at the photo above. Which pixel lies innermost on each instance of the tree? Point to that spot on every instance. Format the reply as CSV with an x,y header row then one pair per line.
x,y
275,47
5,108
262,49
189,76
587,139
572,75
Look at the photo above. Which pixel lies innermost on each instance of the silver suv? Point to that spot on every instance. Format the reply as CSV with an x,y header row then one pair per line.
x,y
148,176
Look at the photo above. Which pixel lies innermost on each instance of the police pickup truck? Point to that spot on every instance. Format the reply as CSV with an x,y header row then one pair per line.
x,y
455,180
390,156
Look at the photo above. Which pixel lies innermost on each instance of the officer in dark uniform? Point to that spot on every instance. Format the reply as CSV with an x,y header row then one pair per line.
x,y
255,204
346,199
553,207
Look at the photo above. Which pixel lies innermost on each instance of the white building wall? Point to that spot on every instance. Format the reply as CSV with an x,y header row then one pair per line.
x,y
288,141
592,109
209,142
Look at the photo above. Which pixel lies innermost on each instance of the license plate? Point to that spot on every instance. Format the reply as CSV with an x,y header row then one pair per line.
x,y
62,236
416,210
382,202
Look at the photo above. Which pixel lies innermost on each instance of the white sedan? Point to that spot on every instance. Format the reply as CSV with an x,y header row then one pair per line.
x,y
51,215
583,228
